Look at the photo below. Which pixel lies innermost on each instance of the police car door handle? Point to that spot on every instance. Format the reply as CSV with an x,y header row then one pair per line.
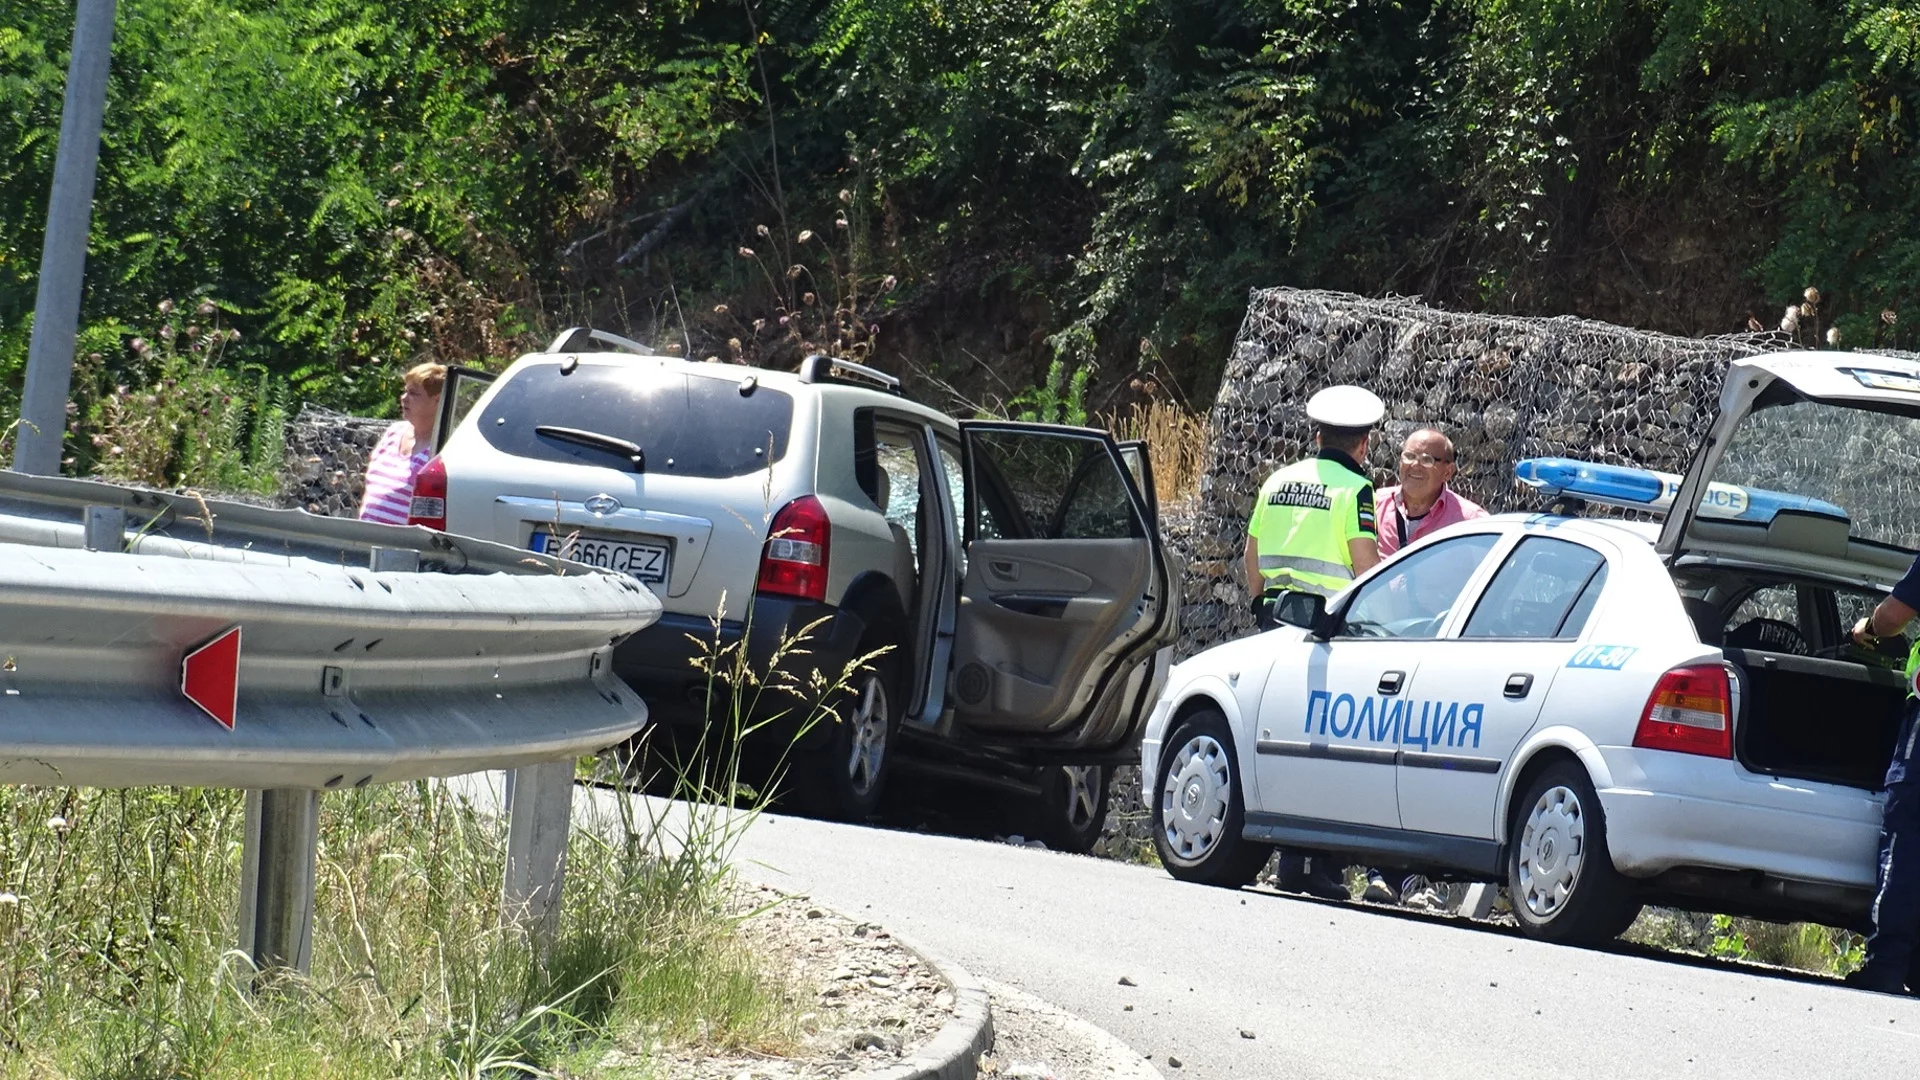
x,y
1390,682
1519,685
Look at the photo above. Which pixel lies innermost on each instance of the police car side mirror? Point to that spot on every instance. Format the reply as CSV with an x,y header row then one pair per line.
x,y
1306,610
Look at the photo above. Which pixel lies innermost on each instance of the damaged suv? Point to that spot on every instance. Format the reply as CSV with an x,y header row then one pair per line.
x,y
1011,576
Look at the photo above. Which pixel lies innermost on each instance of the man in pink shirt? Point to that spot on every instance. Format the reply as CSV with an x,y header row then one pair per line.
x,y
1423,502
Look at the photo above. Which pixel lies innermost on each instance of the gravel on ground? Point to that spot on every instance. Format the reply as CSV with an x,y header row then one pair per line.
x,y
872,1001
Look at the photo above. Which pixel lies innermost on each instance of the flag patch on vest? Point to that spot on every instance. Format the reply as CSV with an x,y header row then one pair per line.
x,y
1297,493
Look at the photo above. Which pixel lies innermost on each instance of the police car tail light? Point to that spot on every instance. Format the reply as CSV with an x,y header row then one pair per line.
x,y
429,506
794,562
1690,711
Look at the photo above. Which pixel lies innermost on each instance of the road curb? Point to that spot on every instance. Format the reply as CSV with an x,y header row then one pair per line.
x,y
954,1051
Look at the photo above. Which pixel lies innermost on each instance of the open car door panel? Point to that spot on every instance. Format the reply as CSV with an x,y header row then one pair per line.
x,y
462,390
1067,595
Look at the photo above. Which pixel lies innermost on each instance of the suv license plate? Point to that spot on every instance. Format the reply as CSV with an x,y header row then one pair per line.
x,y
645,562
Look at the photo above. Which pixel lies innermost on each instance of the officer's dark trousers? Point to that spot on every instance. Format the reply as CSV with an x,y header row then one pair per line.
x,y
1896,897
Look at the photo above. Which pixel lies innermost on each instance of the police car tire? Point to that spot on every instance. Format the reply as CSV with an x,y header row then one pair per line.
x,y
1601,903
1233,861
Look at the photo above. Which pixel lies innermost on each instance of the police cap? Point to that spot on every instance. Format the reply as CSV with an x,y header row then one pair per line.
x,y
1353,408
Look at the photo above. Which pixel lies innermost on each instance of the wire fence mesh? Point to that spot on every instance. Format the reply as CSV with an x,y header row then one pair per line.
x,y
1502,388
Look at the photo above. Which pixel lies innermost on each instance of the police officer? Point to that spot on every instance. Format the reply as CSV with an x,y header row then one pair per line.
x,y
1896,892
1312,530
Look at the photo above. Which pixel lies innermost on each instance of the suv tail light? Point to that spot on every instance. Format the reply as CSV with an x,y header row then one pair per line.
x,y
429,505
794,562
1690,711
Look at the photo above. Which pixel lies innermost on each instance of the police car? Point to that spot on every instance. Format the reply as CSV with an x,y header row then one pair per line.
x,y
1596,713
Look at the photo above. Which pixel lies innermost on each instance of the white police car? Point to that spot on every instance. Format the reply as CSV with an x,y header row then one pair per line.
x,y
1598,713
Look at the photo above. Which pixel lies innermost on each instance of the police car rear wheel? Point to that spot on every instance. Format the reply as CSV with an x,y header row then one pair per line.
x,y
1197,810
1559,870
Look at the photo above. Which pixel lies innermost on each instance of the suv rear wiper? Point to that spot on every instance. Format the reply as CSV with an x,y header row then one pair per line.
x,y
629,450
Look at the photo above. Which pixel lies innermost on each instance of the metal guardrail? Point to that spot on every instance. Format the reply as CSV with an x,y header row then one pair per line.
x,y
343,675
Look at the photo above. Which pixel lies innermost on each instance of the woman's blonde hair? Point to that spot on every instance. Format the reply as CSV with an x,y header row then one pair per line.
x,y
429,377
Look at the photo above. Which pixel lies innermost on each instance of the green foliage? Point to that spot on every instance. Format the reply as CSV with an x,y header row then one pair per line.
x,y
377,183
1061,399
1803,946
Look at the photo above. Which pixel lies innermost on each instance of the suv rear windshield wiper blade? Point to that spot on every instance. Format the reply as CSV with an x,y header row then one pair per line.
x,y
629,450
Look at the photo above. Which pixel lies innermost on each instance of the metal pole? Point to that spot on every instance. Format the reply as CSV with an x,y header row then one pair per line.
x,y
538,819
63,252
276,879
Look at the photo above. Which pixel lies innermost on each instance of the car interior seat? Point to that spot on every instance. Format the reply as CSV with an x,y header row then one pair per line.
x,y
1707,620
904,576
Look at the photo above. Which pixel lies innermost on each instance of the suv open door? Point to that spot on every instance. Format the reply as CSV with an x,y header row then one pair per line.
x,y
462,390
1067,596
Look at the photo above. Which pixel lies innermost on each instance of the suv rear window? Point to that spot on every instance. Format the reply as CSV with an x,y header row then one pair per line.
x,y
686,425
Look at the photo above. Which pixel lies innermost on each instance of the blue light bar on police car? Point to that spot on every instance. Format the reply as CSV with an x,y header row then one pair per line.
x,y
1645,489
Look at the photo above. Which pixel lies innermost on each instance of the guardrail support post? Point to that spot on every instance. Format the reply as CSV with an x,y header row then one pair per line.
x,y
386,558
106,528
539,815
1478,903
276,878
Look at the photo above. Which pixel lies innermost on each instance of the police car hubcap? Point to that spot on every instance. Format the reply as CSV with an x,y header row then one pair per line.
x,y
1551,845
1193,802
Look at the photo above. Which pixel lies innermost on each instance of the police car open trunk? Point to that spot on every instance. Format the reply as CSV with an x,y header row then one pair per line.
x,y
1809,718
1810,475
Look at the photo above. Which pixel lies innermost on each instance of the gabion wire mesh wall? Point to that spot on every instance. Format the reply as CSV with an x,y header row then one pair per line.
x,y
1502,388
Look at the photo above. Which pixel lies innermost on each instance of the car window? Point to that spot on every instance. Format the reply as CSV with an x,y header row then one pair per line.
x,y
1050,486
685,424
956,477
1535,590
898,456
1778,602
1411,597
1575,623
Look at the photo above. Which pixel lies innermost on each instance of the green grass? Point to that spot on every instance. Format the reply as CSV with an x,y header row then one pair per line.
x,y
118,923
1822,950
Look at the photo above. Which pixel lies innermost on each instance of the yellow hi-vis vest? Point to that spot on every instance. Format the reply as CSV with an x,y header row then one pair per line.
x,y
1302,520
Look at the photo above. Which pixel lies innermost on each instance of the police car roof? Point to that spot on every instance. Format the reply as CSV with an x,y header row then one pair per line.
x,y
1610,529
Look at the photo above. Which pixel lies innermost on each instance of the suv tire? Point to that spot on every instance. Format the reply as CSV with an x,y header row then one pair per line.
x,y
1070,812
845,779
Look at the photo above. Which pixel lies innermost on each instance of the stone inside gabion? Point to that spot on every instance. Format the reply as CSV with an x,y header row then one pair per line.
x,y
326,461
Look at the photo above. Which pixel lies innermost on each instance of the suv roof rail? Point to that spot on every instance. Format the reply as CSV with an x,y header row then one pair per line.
x,y
818,368
582,339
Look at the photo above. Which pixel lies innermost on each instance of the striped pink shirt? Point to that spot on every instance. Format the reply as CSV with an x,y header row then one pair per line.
x,y
390,475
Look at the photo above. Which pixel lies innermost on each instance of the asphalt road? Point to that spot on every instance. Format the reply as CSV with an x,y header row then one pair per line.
x,y
1327,990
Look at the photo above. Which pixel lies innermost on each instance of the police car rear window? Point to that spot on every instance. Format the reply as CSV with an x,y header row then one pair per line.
x,y
1537,590
685,424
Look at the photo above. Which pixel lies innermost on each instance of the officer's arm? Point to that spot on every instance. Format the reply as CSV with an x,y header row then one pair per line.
x,y
1254,584
1364,552
1890,616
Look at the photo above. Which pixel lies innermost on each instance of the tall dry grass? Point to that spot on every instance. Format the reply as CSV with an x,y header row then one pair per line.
x,y
1178,442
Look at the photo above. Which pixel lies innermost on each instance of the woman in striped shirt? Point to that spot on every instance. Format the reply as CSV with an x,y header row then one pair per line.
x,y
404,448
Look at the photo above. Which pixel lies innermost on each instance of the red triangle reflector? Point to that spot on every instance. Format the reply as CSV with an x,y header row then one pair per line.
x,y
210,677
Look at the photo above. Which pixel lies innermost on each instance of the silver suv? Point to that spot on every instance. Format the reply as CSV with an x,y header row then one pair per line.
x,y
1015,570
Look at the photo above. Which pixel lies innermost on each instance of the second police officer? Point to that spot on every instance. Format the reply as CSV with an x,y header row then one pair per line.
x,y
1312,530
